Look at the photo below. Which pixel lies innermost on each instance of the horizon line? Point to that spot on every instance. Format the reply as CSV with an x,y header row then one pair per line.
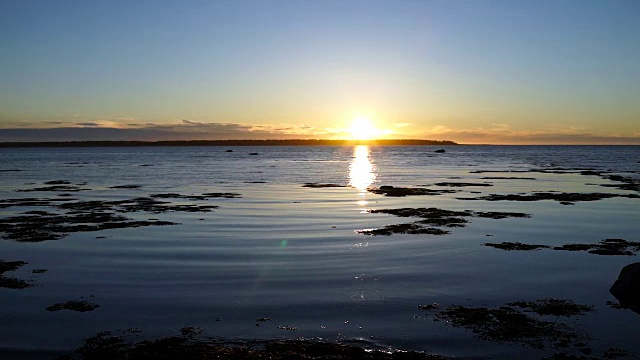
x,y
266,142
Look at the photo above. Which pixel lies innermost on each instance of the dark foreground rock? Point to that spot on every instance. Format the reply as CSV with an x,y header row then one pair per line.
x,y
627,287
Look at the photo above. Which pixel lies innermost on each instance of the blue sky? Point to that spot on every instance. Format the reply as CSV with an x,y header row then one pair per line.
x,y
468,71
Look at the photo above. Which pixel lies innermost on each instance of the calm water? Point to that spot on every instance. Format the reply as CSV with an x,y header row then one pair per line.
x,y
292,253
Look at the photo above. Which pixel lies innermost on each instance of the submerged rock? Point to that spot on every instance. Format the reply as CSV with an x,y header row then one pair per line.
x,y
627,287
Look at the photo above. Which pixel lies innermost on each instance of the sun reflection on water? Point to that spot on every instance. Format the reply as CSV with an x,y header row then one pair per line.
x,y
361,171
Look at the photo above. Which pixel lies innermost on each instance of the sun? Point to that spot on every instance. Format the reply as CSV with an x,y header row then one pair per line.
x,y
362,128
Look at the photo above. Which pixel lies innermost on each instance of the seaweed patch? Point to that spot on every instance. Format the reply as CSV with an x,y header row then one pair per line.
x,y
56,185
9,282
70,215
561,197
188,345
130,186
506,178
604,247
521,323
432,220
322,185
388,190
461,184
516,246
204,196
74,305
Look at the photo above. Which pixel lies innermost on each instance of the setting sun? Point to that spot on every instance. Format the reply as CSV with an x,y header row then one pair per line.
x,y
362,128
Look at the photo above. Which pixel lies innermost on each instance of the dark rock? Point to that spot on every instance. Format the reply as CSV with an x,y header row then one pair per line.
x,y
627,287
254,154
439,151
229,150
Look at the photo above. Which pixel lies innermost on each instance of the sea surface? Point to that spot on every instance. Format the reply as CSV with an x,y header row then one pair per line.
x,y
293,254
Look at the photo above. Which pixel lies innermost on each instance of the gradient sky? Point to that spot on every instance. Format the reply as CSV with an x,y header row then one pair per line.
x,y
474,71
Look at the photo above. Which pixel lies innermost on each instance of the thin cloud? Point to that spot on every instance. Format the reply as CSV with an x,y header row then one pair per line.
x,y
185,130
503,134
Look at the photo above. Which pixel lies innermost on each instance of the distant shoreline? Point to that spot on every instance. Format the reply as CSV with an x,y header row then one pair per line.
x,y
288,142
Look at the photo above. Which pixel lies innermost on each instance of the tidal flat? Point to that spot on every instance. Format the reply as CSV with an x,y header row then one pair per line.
x,y
318,251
